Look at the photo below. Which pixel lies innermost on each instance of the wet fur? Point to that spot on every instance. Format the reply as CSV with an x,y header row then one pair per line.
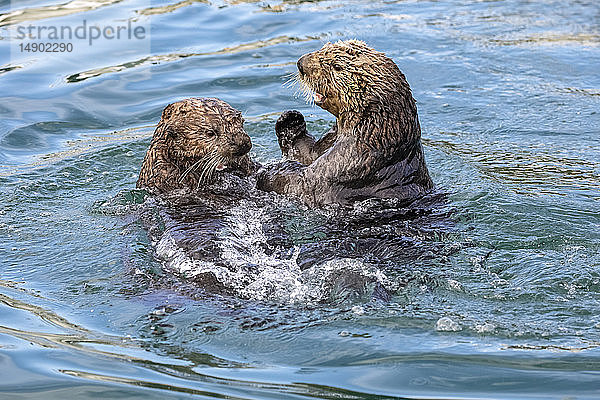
x,y
194,138
374,149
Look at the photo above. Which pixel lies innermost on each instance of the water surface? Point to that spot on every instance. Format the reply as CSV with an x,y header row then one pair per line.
x,y
501,300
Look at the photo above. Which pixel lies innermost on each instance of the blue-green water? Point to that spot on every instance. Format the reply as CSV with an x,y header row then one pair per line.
x,y
509,102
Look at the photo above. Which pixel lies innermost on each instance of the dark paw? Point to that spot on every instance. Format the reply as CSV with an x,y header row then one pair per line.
x,y
267,181
276,178
289,126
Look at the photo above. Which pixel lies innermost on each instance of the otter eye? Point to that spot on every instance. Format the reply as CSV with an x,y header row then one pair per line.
x,y
337,67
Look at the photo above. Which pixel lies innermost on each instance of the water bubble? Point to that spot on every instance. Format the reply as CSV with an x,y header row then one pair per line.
x,y
485,328
358,310
446,324
455,285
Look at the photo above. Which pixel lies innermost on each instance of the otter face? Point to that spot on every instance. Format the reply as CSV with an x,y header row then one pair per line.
x,y
347,75
205,129
194,139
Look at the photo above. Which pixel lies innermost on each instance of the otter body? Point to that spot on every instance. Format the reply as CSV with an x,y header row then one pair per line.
x,y
195,139
373,151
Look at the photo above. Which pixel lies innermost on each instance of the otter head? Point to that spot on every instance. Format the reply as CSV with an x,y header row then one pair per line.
x,y
348,76
203,135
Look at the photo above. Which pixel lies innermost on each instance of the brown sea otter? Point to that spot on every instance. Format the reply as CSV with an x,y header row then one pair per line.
x,y
373,151
195,139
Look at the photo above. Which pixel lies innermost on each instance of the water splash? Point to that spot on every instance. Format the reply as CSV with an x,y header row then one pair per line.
x,y
247,264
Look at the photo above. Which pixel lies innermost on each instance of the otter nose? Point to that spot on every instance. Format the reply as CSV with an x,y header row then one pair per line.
x,y
302,64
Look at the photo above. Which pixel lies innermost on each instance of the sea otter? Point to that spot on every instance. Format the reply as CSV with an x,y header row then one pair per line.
x,y
194,139
373,151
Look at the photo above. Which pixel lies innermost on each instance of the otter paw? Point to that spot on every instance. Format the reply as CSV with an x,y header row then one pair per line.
x,y
290,126
276,178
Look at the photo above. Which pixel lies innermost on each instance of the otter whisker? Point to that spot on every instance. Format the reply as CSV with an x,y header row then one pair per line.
x,y
195,166
308,93
303,88
190,169
291,74
206,167
295,80
201,178
219,161
209,169
292,81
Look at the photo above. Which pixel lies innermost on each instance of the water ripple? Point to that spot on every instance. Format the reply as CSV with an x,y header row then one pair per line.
x,y
52,11
166,58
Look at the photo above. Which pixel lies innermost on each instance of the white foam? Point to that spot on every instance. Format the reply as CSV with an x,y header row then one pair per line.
x,y
253,273
446,324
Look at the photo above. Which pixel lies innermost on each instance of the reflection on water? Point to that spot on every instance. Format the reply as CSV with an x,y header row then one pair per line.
x,y
52,11
160,58
9,68
489,291
533,170
553,39
170,7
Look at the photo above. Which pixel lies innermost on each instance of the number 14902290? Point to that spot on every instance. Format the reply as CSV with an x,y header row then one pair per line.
x,y
46,47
